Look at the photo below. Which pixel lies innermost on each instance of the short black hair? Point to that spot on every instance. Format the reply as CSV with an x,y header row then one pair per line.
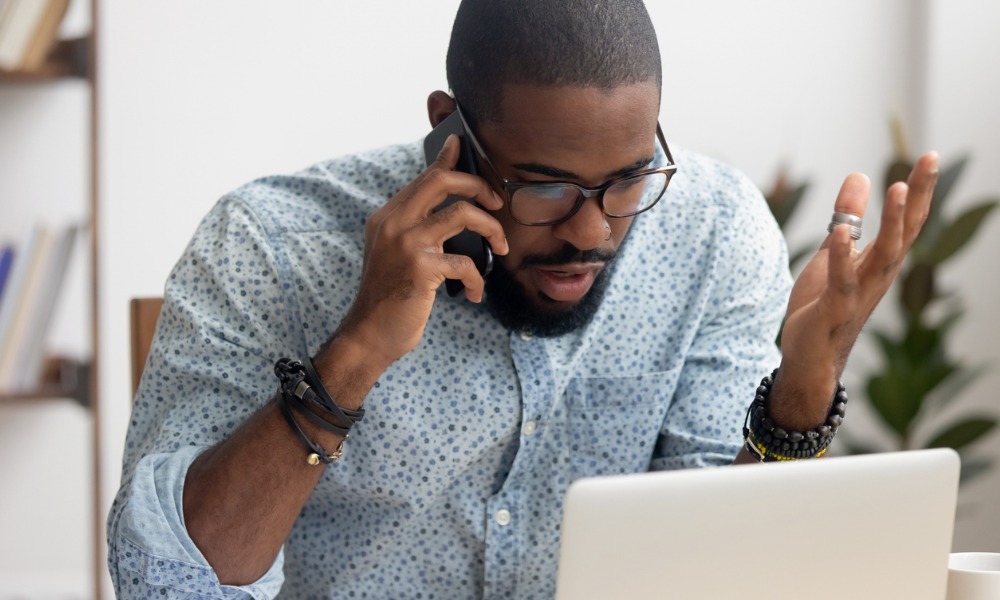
x,y
590,43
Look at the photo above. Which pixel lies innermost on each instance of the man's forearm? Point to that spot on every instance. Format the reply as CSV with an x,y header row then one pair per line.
x,y
242,496
801,397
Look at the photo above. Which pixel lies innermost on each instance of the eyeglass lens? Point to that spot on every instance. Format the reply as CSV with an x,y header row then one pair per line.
x,y
553,202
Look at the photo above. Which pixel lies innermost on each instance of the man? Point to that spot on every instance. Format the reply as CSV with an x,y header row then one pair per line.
x,y
623,329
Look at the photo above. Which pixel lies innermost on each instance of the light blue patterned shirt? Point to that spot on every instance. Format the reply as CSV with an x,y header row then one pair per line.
x,y
452,485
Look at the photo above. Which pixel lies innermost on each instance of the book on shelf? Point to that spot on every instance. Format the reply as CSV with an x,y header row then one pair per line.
x,y
27,315
28,32
6,259
20,271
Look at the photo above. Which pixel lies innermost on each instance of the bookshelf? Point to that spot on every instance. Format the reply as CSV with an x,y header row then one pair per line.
x,y
75,380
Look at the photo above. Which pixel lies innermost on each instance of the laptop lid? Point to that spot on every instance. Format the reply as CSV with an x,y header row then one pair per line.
x,y
860,527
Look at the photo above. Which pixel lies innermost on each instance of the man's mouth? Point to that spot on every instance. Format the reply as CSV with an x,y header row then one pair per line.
x,y
565,283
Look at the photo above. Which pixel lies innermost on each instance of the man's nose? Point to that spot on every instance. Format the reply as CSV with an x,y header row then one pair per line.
x,y
587,229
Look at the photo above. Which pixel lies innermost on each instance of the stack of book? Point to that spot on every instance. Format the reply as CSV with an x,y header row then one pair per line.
x,y
31,277
28,32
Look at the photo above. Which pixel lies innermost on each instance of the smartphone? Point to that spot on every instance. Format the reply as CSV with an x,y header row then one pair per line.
x,y
467,242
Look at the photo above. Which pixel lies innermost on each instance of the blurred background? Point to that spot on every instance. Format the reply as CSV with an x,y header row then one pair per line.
x,y
196,98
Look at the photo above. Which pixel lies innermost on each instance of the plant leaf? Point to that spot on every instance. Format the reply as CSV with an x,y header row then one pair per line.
x,y
962,434
960,232
917,290
897,395
922,345
946,181
898,170
783,201
888,396
891,350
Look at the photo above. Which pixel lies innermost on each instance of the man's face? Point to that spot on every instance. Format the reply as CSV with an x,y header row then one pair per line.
x,y
552,280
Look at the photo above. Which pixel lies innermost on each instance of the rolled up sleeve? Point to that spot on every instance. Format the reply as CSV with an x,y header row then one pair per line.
x,y
151,553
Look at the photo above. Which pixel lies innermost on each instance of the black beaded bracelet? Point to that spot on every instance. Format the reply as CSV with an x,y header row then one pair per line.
x,y
768,442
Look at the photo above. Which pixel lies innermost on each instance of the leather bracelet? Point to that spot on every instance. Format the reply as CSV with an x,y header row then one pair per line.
x,y
317,420
322,397
299,378
767,442
318,453
300,385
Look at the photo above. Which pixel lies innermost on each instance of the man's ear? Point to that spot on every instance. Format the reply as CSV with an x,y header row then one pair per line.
x,y
439,106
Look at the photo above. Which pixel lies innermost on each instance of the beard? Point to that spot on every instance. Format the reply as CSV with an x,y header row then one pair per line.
x,y
517,310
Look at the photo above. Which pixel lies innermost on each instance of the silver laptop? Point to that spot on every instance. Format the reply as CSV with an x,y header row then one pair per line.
x,y
858,527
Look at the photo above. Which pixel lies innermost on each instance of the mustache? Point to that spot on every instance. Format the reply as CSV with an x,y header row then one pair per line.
x,y
569,254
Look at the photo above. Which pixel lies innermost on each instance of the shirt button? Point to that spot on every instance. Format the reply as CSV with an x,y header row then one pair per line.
x,y
503,516
526,335
529,427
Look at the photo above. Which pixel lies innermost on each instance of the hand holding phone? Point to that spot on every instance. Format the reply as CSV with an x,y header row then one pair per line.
x,y
405,260
467,242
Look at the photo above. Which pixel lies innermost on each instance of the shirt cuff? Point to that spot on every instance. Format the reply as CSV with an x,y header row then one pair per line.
x,y
153,548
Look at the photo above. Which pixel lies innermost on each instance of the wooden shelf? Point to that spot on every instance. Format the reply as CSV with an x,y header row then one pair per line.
x,y
63,379
75,60
68,60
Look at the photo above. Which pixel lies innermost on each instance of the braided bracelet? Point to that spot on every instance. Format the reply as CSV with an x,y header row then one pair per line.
x,y
317,454
768,442
300,385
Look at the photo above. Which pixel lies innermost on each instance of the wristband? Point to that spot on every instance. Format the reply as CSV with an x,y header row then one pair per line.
x,y
317,454
300,386
767,442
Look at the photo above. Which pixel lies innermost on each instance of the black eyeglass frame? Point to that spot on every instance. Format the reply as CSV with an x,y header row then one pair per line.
x,y
585,193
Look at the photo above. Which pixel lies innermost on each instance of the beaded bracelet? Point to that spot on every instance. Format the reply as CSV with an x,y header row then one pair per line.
x,y
768,442
300,385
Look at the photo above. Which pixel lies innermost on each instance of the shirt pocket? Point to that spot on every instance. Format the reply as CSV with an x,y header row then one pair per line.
x,y
613,422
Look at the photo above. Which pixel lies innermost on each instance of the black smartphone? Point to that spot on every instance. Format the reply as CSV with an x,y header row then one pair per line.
x,y
467,242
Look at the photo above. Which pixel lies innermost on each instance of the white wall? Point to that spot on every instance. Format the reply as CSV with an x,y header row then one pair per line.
x,y
199,97
962,95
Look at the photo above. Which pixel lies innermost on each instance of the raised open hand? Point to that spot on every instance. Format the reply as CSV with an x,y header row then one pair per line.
x,y
837,291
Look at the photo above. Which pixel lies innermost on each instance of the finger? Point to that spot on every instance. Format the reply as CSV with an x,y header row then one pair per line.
x,y
454,218
437,184
842,278
436,180
852,199
884,255
921,184
457,266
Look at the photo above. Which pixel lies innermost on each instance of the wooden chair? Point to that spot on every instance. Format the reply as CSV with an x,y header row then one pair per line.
x,y
143,314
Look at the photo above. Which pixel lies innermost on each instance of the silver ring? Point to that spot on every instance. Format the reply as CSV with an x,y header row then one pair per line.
x,y
842,218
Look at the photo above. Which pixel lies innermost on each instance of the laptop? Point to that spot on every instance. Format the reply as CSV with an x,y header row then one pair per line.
x,y
858,527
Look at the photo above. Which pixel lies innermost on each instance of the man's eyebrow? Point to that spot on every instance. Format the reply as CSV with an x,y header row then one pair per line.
x,y
557,173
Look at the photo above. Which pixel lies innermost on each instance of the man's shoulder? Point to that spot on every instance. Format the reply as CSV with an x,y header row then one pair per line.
x,y
336,194
701,179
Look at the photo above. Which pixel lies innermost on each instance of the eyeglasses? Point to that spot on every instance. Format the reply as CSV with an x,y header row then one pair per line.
x,y
551,203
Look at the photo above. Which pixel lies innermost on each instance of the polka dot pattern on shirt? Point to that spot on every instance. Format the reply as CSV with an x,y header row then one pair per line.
x,y
444,491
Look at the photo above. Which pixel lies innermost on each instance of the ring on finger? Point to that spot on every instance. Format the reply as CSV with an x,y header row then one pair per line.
x,y
842,218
